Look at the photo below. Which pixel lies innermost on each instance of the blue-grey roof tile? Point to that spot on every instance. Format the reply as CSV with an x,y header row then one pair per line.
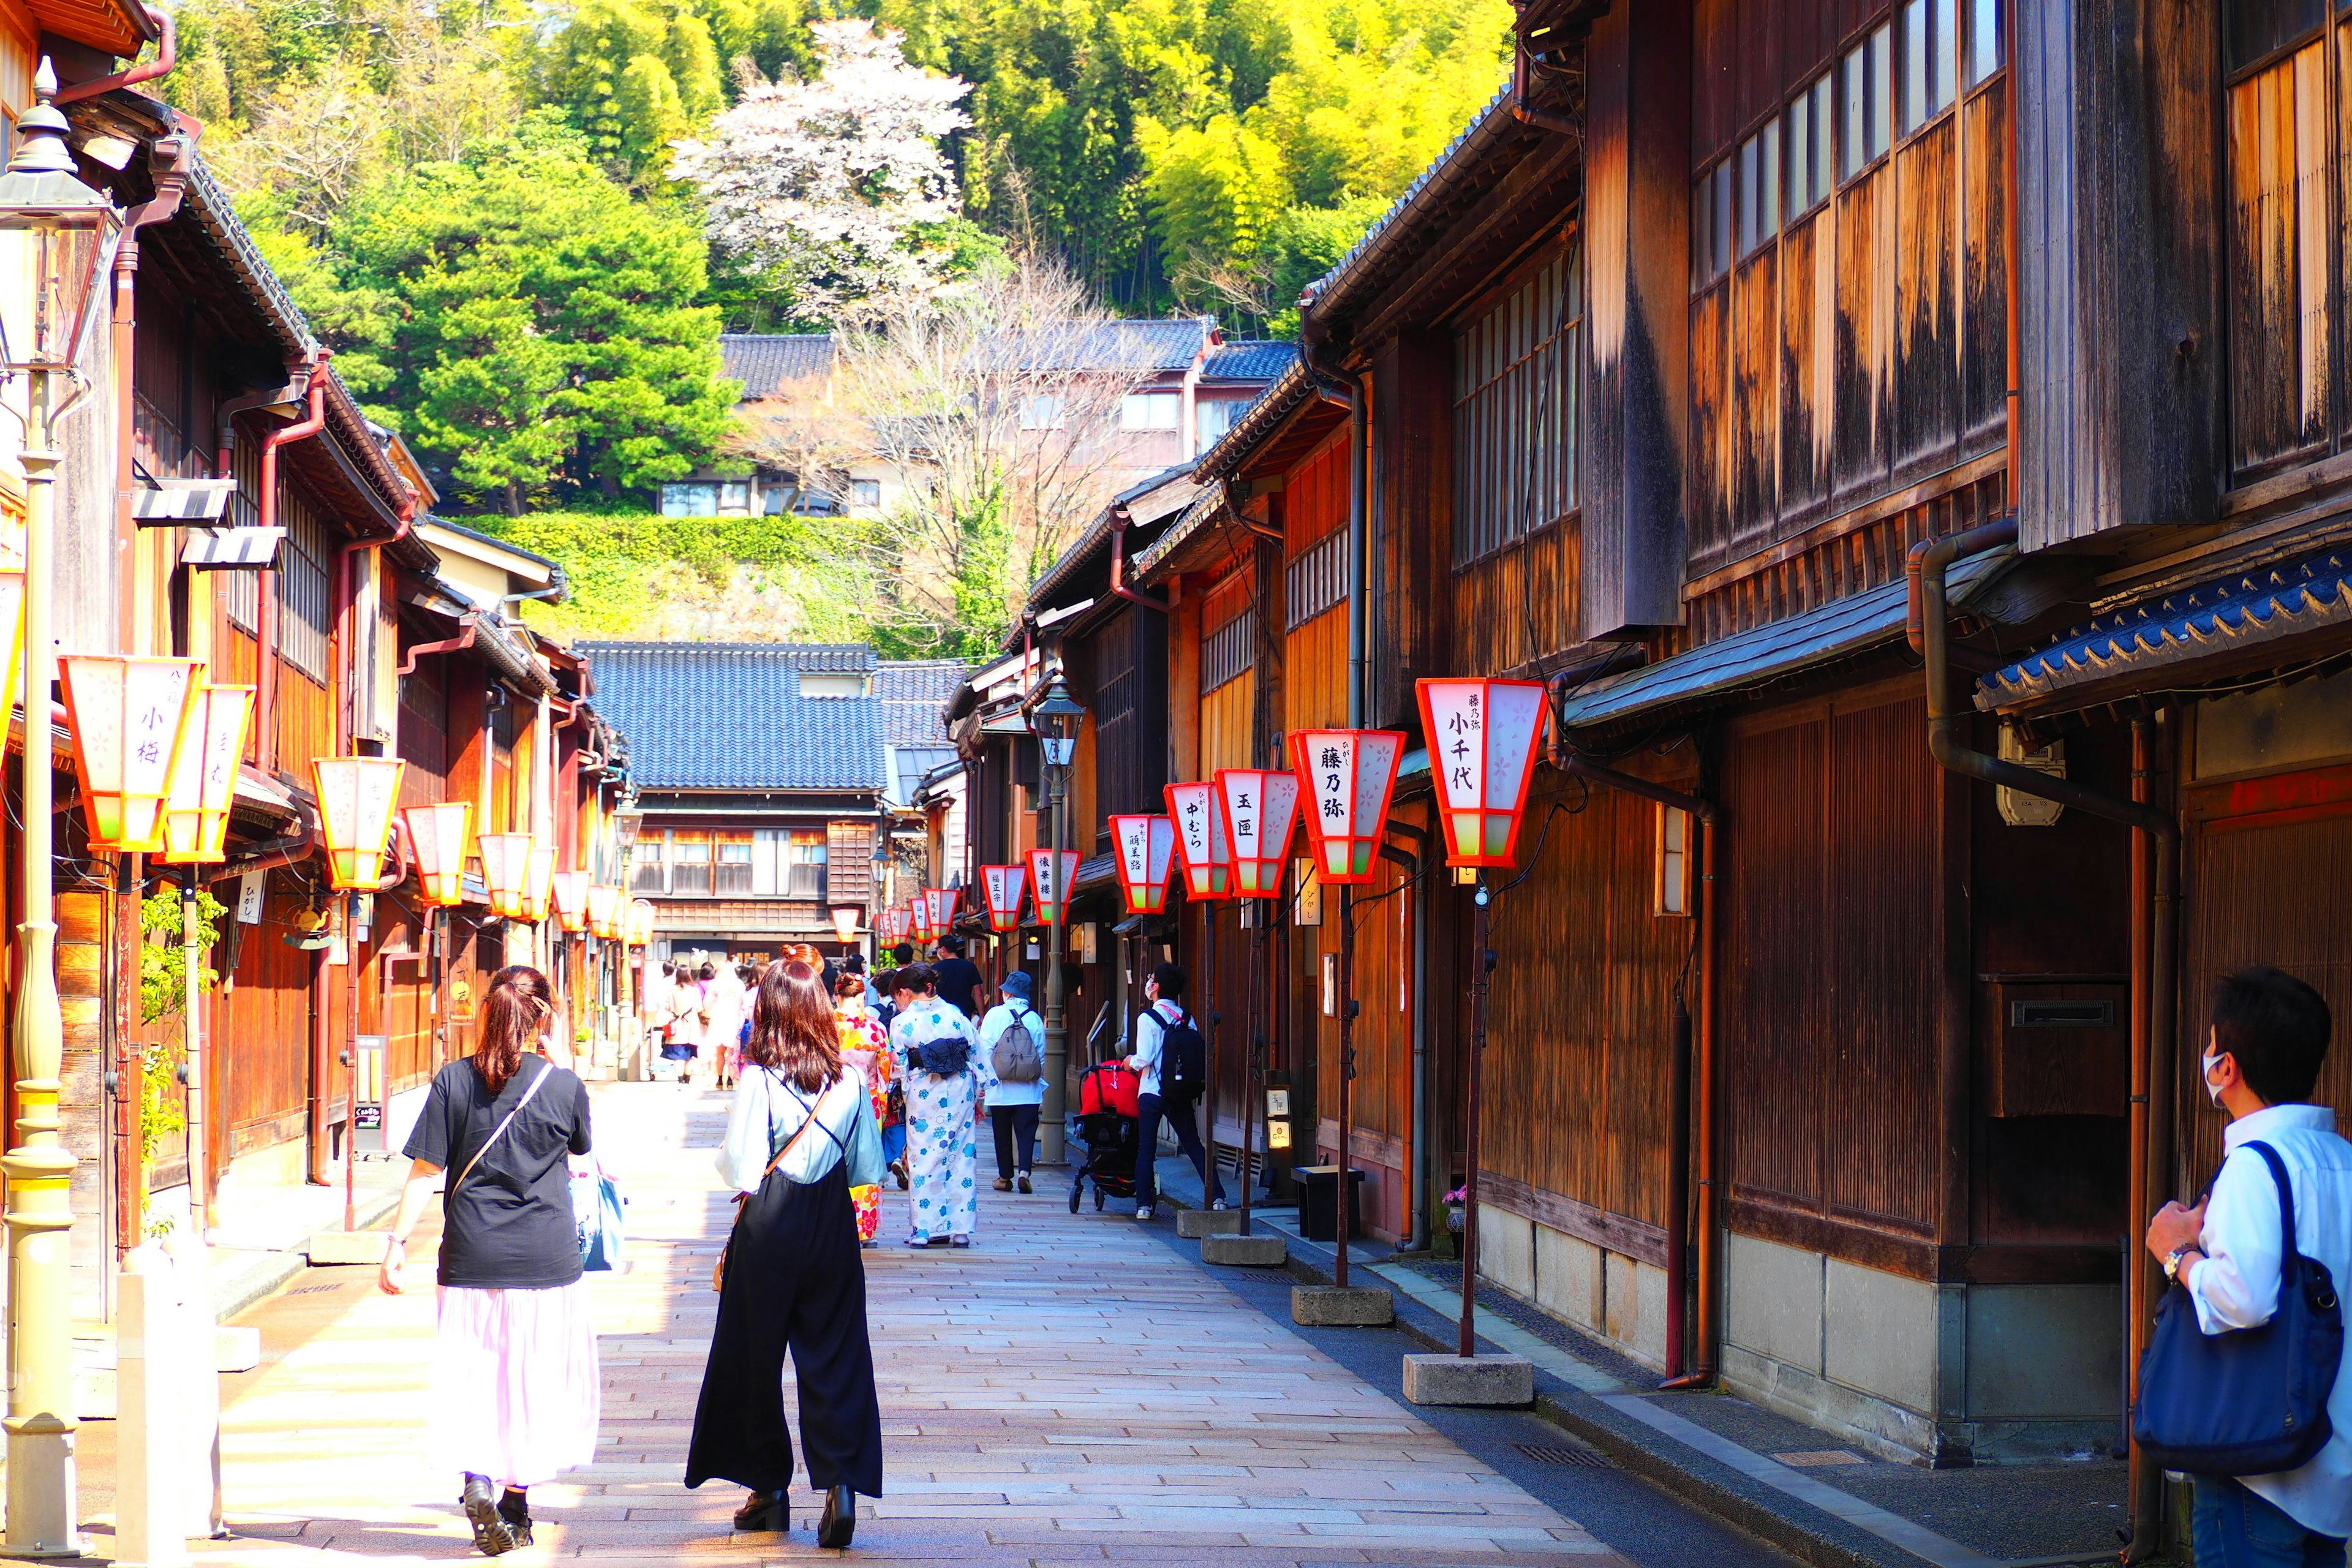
x,y
730,716
1249,359
765,361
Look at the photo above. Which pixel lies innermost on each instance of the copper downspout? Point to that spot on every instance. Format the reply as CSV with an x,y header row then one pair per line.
x,y
266,621
1119,523
1526,113
166,59
458,644
1693,1089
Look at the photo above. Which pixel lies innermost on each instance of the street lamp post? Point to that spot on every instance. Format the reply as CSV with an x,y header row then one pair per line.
x,y
1057,720
68,231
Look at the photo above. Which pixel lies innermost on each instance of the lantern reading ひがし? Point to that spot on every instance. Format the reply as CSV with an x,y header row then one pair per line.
x,y
1146,851
1347,775
605,912
1004,886
128,717
568,892
437,836
356,795
505,871
1482,751
203,775
1199,813
1051,883
1261,810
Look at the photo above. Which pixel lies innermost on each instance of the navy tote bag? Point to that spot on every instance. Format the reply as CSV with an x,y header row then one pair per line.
x,y
2249,1402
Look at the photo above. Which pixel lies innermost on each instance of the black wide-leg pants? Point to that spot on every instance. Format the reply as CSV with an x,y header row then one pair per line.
x,y
794,1281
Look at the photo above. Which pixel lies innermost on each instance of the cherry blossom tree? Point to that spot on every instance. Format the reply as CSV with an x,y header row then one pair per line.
x,y
827,186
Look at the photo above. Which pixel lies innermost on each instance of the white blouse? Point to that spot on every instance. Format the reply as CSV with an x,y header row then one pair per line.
x,y
768,1111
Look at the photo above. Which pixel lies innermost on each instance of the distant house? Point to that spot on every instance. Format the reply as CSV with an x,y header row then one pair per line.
x,y
766,775
1190,384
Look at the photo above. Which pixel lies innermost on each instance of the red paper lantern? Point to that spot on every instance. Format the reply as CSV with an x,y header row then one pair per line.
x,y
505,871
1347,775
919,915
1198,813
1481,752
538,883
1004,886
356,795
568,892
1051,883
1261,811
896,925
1145,847
939,903
128,718
608,913
845,925
203,775
437,836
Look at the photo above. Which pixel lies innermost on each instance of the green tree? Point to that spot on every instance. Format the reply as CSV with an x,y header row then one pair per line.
x,y
635,76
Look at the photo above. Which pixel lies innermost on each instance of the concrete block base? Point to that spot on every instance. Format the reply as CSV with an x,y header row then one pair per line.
x,y
332,1247
1256,1250
1329,1306
1482,1380
236,1348
1194,1223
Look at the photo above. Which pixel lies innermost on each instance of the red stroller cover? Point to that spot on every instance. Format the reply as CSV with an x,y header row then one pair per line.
x,y
1111,1087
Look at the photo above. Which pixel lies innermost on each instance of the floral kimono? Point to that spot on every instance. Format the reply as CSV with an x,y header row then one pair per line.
x,y
940,1142
864,1046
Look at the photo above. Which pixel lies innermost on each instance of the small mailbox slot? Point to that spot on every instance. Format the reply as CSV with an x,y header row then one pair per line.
x,y
2053,1014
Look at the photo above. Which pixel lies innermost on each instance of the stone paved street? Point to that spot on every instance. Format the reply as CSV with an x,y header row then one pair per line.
x,y
1072,1389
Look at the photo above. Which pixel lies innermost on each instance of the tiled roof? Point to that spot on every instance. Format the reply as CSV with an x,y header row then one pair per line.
x,y
1130,345
763,362
914,695
730,716
1249,359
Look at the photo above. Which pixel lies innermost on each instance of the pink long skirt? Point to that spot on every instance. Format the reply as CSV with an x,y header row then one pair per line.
x,y
516,1387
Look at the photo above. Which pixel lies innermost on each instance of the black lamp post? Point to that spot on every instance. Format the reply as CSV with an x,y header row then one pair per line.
x,y
1056,719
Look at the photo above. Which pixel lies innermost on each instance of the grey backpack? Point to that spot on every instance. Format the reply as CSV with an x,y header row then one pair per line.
x,y
1016,1057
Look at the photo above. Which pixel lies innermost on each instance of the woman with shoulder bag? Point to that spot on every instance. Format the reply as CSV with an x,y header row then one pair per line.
x,y
800,1135
516,1388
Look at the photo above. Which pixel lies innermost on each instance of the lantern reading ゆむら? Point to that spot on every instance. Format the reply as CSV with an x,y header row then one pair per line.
x,y
1004,886
1347,776
1145,847
1198,813
1481,752
1261,810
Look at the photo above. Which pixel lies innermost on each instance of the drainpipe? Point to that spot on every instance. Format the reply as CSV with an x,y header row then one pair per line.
x,y
1526,113
1692,1087
166,59
1119,523
266,637
2151,967
458,644
347,711
1417,1188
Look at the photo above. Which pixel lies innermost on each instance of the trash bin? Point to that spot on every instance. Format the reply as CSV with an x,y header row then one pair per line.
x,y
1318,1214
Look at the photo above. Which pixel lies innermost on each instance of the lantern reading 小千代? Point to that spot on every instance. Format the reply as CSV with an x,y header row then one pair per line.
x,y
1145,847
1482,750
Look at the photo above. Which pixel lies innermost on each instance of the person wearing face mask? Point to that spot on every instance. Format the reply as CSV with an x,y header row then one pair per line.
x,y
2261,1060
1165,993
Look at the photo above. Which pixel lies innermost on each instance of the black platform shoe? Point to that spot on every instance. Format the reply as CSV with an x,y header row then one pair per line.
x,y
515,1508
765,1511
840,1521
493,1537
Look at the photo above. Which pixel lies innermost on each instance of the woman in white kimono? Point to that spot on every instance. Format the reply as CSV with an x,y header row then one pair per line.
x,y
941,1143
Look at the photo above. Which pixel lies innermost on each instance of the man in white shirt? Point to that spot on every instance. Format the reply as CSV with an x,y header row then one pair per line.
x,y
1165,993
2270,1034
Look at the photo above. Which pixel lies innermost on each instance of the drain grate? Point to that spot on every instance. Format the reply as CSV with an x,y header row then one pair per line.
x,y
1578,1458
314,1290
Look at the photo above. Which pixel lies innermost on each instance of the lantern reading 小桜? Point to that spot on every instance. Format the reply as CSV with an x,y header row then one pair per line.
x,y
1145,848
1347,776
505,871
1261,812
607,911
1198,811
568,893
204,776
1004,886
437,836
128,717
356,797
1050,883
1481,752
939,903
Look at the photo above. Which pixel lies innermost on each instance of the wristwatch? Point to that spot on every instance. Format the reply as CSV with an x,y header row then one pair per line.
x,y
2172,1259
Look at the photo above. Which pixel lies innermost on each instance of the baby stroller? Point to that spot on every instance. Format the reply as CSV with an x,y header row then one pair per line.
x,y
1109,1126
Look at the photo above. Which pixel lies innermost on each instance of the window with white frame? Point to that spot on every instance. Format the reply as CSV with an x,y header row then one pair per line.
x,y
732,871
1514,381
804,864
1151,411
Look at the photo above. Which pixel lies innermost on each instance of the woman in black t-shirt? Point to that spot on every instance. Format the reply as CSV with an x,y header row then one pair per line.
x,y
516,1388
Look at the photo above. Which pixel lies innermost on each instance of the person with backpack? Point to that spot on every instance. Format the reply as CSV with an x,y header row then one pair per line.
x,y
2233,1258
1173,1062
1013,1079
942,1051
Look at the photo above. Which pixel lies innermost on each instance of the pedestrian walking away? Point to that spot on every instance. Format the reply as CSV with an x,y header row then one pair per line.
x,y
1165,1028
516,1386
865,1045
960,982
938,1047
799,1136
1013,1079
2261,1066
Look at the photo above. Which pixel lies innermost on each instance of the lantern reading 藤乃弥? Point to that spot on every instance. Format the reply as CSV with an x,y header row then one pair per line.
x,y
1145,847
1261,810
568,892
1347,776
1199,813
204,776
505,871
356,795
128,717
1482,751
1050,884
1004,886
437,836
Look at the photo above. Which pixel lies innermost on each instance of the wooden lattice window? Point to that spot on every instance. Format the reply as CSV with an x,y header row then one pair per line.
x,y
1515,380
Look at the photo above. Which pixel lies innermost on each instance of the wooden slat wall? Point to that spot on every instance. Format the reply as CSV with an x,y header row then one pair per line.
x,y
1313,504
263,1070
1227,712
1520,603
2281,332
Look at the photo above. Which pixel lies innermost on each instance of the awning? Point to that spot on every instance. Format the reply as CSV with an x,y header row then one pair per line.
x,y
2227,615
1746,662
1094,871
